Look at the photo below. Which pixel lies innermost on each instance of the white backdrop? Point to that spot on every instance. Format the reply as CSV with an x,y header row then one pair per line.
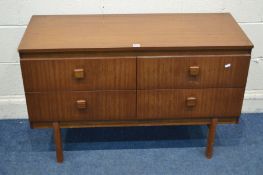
x,y
15,14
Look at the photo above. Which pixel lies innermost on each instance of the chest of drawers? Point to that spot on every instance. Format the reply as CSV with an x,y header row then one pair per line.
x,y
134,70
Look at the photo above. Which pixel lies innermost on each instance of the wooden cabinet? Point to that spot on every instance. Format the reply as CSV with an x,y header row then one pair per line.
x,y
134,70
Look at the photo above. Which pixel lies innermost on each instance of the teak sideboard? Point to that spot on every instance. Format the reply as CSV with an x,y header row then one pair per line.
x,y
134,70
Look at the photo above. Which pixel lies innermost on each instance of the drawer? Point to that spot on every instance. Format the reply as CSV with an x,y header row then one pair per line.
x,y
192,72
180,103
82,106
79,74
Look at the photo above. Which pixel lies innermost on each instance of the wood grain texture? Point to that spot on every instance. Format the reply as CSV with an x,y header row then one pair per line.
x,y
132,123
100,73
113,53
168,104
170,72
62,106
120,32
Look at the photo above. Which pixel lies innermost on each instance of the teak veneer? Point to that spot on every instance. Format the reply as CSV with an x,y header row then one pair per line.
x,y
134,70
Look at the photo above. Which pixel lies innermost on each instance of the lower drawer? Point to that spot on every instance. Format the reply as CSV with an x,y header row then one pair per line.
x,y
180,103
121,105
82,106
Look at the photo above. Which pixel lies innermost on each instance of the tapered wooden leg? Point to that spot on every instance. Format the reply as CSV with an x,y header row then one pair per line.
x,y
211,138
58,141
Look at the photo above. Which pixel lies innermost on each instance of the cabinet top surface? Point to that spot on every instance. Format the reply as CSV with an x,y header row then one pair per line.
x,y
131,32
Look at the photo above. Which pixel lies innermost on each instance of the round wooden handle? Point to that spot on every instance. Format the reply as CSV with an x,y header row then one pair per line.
x,y
81,104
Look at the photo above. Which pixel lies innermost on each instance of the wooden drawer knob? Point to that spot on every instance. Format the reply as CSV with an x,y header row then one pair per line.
x,y
81,104
191,101
194,70
79,73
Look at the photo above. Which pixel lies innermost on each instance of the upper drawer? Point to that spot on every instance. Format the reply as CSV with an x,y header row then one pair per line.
x,y
192,72
79,74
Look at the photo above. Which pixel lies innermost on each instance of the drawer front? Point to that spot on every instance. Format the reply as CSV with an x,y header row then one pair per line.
x,y
82,106
192,72
180,103
79,74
